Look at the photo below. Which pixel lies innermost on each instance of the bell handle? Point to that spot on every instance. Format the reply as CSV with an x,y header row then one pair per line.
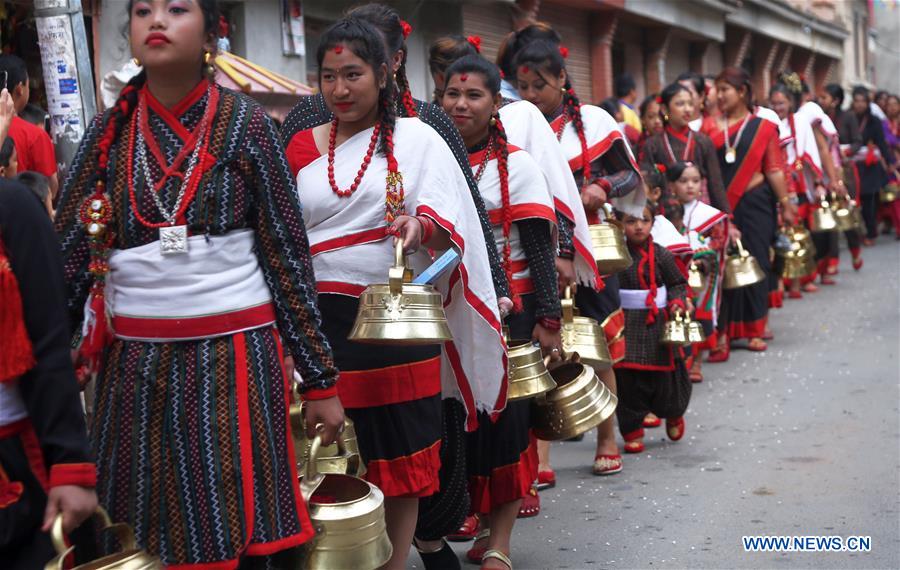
x,y
741,250
608,210
568,306
397,273
311,476
123,532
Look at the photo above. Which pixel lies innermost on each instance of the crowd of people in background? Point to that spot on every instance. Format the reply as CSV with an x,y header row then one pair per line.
x,y
191,360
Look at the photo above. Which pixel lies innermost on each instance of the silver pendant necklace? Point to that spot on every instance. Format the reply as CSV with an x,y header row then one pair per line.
x,y
172,239
731,150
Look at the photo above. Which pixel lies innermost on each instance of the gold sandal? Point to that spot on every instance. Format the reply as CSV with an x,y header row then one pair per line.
x,y
496,555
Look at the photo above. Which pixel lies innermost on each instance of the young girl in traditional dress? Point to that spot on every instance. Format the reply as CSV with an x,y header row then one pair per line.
x,y
751,164
180,225
651,377
500,464
363,178
707,231
605,170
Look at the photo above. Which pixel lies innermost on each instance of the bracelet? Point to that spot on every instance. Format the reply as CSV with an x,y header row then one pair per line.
x,y
427,227
550,323
785,199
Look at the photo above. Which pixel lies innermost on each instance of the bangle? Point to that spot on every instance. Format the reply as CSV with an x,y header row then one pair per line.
x,y
427,228
785,199
550,323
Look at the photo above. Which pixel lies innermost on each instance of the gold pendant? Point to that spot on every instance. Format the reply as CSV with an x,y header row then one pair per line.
x,y
173,239
730,156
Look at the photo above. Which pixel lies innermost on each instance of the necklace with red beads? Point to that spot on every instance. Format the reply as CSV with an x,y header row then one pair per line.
x,y
332,144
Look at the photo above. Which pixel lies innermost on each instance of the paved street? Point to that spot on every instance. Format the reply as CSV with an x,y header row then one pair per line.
x,y
802,440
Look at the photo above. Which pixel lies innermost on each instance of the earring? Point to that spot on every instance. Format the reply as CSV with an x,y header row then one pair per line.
x,y
494,121
562,89
208,61
136,61
665,117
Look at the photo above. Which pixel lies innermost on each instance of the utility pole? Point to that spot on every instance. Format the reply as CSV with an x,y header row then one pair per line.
x,y
68,77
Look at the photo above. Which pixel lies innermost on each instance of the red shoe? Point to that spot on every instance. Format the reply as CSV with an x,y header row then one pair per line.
x,y
531,504
757,345
795,295
675,428
695,377
810,287
634,441
607,464
467,531
634,446
651,421
475,553
719,354
857,263
546,480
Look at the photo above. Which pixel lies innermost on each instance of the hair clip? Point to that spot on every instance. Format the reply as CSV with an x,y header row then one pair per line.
x,y
407,29
659,99
476,42
502,75
661,167
564,52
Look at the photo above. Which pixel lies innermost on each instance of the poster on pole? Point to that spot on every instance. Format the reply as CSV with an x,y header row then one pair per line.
x,y
58,62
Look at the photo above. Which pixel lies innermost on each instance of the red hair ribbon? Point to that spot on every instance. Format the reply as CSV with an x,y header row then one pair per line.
x,y
659,99
564,52
661,167
407,29
475,41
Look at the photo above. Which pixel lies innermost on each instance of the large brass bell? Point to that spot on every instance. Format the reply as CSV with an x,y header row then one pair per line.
x,y
674,331
400,312
608,243
129,558
889,193
583,335
695,278
822,219
528,375
330,458
742,270
579,403
695,334
799,259
843,213
348,514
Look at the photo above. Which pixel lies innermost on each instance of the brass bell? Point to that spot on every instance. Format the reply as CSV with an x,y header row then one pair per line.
x,y
348,514
674,331
528,375
330,458
608,243
742,270
579,403
695,334
799,259
583,335
695,278
843,213
822,219
400,312
889,193
129,558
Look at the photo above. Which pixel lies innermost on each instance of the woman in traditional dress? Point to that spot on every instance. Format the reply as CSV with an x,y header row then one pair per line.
x,y
848,143
180,227
605,170
870,160
696,87
521,208
679,143
651,120
651,377
707,231
752,171
803,171
364,177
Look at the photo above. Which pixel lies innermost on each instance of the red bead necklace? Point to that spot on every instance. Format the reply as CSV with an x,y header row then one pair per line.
x,y
332,140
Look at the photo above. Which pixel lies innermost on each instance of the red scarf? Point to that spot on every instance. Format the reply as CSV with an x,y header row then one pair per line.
x,y
647,267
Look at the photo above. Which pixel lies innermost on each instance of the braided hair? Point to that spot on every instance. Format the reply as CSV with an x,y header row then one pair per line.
x,y
514,42
498,141
366,43
544,56
393,31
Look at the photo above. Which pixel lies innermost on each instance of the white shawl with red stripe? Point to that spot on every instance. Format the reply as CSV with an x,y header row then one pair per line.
x,y
351,249
529,197
799,143
667,235
601,133
527,129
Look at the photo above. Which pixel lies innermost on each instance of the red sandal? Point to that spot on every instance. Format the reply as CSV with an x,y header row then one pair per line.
x,y
607,465
675,428
719,354
475,553
546,480
467,531
857,263
633,441
651,421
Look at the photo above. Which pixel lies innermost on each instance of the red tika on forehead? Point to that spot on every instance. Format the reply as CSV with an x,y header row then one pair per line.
x,y
523,69
338,49
463,77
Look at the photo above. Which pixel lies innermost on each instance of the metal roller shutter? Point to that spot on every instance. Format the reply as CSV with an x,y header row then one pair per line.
x,y
490,21
574,27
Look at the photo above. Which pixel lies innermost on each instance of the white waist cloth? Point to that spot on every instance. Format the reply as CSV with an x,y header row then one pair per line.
x,y
862,153
12,408
215,289
636,299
